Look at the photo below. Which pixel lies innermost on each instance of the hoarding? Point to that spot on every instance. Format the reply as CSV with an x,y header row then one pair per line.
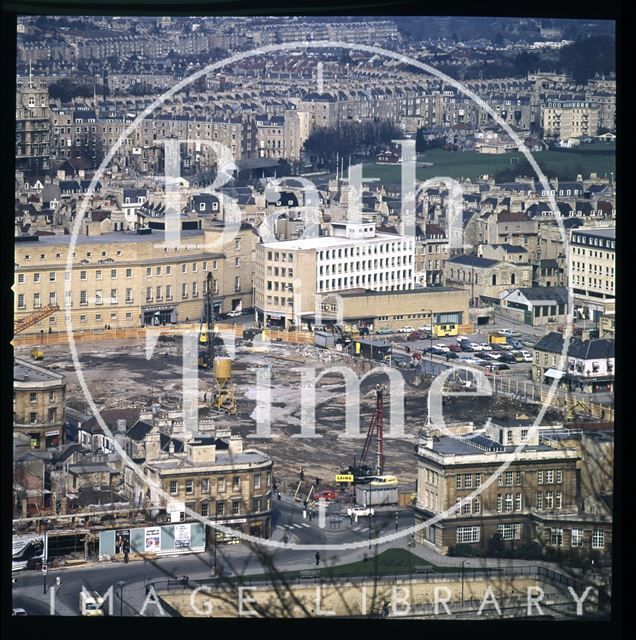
x,y
152,536
182,536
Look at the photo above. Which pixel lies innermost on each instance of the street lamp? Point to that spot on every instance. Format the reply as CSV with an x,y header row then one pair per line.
x,y
370,520
463,563
430,353
121,584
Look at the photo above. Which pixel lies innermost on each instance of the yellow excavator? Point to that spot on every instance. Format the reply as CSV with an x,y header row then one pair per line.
x,y
37,353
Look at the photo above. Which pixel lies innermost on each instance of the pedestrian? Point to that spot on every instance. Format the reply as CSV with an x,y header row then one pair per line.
x,y
396,521
50,330
317,558
302,474
279,495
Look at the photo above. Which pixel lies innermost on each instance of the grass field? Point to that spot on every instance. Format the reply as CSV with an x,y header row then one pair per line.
x,y
599,158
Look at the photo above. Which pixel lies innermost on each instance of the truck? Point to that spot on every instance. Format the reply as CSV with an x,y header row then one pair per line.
x,y
37,353
496,337
91,603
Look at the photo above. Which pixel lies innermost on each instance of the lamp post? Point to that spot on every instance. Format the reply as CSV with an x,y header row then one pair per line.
x,y
370,520
463,563
121,584
430,353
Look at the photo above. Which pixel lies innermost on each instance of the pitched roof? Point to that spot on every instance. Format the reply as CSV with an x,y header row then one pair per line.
x,y
472,261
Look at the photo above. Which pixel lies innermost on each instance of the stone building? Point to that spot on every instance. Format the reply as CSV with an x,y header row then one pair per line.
x,y
535,496
130,279
209,472
39,402
33,128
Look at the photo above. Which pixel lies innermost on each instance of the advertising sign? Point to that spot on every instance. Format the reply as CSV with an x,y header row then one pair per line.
x,y
122,540
152,539
344,477
182,536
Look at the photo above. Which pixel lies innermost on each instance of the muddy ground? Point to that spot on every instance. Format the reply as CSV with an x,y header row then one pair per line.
x,y
118,375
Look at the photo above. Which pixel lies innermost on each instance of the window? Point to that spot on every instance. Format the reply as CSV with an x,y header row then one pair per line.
x,y
168,270
113,274
52,276
257,481
236,483
577,538
467,534
517,477
148,272
467,506
195,290
256,504
237,262
83,297
540,477
476,505
158,271
99,297
509,501
478,479
129,273
518,502
168,292
20,278
549,476
559,476
33,398
540,500
556,537
205,509
33,418
189,487
548,500
237,283
184,268
220,508
509,531
129,295
194,267
236,507
174,487
559,500
524,435
220,485
237,244
499,502
21,303
509,478
499,480
113,296
468,481
184,290
458,481
205,485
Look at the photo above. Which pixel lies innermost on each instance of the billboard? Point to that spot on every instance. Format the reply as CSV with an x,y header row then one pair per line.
x,y
152,539
182,536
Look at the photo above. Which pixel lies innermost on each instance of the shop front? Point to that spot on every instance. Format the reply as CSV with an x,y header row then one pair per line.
x,y
157,316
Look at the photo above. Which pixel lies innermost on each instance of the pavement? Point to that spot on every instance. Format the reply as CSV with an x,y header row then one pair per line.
x,y
233,560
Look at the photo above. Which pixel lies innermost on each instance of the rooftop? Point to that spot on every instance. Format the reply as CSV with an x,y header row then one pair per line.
x,y
27,372
327,242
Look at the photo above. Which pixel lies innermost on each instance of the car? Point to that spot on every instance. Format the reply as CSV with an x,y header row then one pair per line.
x,y
451,355
495,355
407,329
327,494
506,347
495,346
485,346
442,347
18,611
465,346
427,330
360,511
384,331
455,347
518,356
461,339
507,358
416,335
235,313
483,356
476,347
501,367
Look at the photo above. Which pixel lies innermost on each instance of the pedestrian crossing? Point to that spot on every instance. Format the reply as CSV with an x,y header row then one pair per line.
x,y
296,526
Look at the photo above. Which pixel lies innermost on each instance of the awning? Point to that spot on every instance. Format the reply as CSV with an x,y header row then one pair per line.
x,y
554,373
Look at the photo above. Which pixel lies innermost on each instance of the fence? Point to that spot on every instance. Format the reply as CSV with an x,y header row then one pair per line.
x,y
564,400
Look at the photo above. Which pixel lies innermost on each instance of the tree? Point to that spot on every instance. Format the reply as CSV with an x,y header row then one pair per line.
x,y
496,546
585,58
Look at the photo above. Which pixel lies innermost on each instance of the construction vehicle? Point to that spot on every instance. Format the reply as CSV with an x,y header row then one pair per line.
x,y
371,485
206,328
33,318
224,392
497,338
37,353
90,603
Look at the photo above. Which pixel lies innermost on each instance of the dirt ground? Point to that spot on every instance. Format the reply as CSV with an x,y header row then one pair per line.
x,y
118,375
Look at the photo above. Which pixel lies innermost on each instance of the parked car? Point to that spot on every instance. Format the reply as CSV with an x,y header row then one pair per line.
x,y
465,346
506,347
455,348
461,339
427,330
508,332
485,346
451,355
384,331
407,329
18,611
475,346
518,356
527,356
416,335
483,356
359,511
442,347
496,347
507,358
235,313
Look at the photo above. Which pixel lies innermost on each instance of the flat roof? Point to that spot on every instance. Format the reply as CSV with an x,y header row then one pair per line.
x,y
157,235
329,242
27,372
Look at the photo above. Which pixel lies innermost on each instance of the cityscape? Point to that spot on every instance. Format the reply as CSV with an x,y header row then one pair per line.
x,y
314,317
